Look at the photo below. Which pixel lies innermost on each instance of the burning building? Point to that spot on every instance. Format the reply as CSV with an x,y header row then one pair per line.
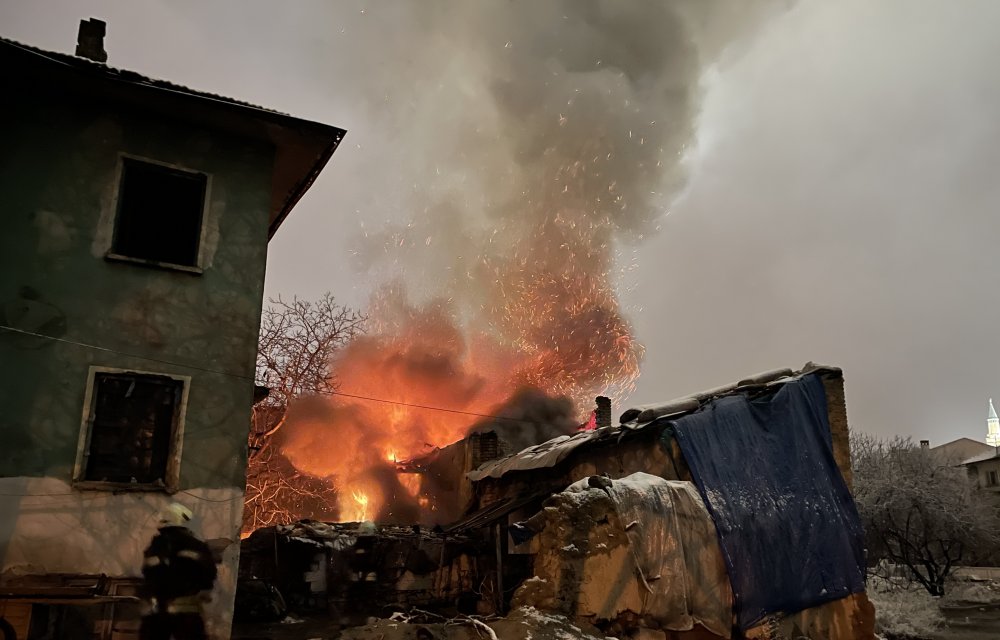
x,y
498,310
563,146
727,512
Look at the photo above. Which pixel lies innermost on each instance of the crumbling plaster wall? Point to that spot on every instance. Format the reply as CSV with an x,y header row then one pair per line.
x,y
59,185
663,570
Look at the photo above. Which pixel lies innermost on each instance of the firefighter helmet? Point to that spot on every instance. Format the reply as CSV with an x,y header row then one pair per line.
x,y
175,515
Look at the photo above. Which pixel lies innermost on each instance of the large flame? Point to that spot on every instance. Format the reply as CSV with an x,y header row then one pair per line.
x,y
557,144
548,319
359,513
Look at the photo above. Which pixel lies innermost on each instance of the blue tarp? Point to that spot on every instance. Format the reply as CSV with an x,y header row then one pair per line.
x,y
787,524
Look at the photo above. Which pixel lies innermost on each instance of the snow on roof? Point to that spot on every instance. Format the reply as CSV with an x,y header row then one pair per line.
x,y
983,457
552,452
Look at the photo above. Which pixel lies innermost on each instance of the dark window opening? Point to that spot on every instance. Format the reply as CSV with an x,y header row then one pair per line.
x,y
991,478
159,213
133,425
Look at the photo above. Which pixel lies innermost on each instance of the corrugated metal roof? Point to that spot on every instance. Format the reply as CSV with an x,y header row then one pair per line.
x,y
550,453
493,512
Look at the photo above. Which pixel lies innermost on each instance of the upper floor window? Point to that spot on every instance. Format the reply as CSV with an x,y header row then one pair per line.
x,y
159,215
132,429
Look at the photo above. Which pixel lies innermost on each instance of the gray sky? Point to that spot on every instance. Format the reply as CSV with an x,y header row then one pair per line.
x,y
841,178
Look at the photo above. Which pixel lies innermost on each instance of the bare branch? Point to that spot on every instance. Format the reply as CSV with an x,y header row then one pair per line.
x,y
920,510
298,341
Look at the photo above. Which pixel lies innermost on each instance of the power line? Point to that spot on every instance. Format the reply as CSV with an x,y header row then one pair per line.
x,y
81,495
241,377
239,496
424,406
125,353
91,494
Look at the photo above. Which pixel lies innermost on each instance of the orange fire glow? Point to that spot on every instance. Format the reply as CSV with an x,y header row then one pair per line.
x,y
552,326
360,510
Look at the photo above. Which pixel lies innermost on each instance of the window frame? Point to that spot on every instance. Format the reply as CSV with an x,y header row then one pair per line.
x,y
111,255
171,480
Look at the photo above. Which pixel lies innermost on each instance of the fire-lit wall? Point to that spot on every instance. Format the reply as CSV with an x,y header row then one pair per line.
x,y
58,184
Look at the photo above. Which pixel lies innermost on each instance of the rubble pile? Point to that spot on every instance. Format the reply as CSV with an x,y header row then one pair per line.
x,y
357,570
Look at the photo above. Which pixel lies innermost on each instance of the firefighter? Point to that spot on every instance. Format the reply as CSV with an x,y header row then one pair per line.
x,y
178,570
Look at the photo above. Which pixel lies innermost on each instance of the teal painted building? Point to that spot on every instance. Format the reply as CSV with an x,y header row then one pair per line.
x,y
135,220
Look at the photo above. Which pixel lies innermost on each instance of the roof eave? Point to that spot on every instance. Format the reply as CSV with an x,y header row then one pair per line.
x,y
300,189
297,137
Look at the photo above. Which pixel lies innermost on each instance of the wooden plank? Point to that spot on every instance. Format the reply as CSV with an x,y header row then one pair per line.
x,y
17,615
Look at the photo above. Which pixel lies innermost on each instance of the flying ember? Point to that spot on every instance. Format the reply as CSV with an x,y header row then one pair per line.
x,y
549,321
498,293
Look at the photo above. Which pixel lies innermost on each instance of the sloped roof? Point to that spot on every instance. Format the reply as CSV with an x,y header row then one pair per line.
x,y
552,452
984,457
92,66
302,147
958,440
964,450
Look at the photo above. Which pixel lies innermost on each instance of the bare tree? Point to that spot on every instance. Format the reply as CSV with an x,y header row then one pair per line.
x,y
920,510
298,339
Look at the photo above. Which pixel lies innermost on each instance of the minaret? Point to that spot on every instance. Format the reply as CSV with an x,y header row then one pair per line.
x,y
993,427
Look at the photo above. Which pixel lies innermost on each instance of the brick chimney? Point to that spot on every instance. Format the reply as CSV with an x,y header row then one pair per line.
x,y
90,40
925,444
603,412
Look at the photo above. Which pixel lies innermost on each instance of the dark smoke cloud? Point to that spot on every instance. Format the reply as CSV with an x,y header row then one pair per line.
x,y
499,156
852,144
550,134
527,108
528,417
533,139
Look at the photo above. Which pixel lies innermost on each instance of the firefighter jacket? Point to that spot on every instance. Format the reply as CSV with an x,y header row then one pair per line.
x,y
177,565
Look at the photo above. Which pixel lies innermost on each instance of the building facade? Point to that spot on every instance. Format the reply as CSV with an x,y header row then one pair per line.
x,y
984,468
992,427
136,220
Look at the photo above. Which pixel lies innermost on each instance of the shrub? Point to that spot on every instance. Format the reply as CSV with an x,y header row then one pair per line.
x,y
905,614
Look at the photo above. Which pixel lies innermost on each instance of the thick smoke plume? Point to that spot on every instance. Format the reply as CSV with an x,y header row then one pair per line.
x,y
530,416
533,140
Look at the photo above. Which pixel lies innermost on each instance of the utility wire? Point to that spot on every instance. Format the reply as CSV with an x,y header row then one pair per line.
x,y
56,495
92,494
241,377
125,353
424,406
233,375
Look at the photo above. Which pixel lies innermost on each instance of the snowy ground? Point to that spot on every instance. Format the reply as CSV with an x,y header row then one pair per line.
x,y
525,623
292,629
972,623
969,611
